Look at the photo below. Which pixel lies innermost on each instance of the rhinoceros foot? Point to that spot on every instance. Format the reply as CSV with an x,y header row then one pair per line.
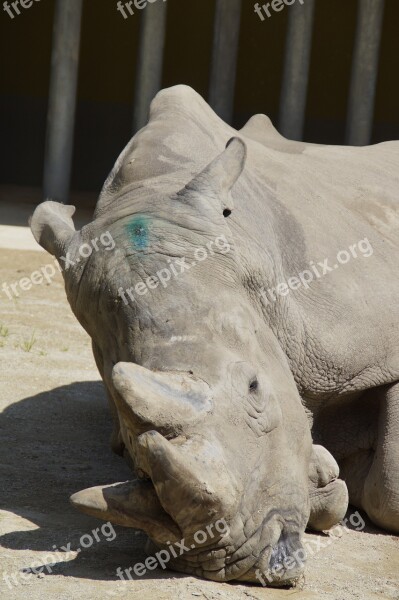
x,y
328,494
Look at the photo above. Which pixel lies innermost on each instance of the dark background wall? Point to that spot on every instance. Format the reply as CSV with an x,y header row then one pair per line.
x,y
107,75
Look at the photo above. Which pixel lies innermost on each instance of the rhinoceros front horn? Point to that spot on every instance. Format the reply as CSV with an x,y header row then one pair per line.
x,y
130,504
52,227
162,400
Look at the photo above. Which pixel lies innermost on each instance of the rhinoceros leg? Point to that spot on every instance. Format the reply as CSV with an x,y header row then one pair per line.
x,y
380,497
328,494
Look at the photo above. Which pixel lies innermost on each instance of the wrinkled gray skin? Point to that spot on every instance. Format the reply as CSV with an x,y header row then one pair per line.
x,y
215,391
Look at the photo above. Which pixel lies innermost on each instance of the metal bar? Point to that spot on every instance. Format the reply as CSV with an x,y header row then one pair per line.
x,y
224,57
364,72
150,60
296,69
62,99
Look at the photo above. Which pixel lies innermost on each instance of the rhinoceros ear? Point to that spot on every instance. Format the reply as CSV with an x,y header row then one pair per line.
x,y
52,226
218,178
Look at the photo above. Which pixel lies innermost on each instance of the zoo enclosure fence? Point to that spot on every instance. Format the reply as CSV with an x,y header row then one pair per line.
x,y
65,62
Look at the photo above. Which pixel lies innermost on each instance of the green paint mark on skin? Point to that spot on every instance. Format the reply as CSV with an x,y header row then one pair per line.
x,y
137,230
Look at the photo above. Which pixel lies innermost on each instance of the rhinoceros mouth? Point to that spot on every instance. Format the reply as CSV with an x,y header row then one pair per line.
x,y
278,564
272,555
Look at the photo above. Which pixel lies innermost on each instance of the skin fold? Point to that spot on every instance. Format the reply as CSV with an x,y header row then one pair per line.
x,y
230,399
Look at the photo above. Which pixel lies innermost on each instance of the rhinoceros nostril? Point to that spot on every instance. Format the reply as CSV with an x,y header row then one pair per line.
x,y
279,554
287,556
253,386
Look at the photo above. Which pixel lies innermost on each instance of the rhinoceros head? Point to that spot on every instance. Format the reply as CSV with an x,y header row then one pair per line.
x,y
204,400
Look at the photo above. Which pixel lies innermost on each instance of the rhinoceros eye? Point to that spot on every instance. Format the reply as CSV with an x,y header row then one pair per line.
x,y
253,386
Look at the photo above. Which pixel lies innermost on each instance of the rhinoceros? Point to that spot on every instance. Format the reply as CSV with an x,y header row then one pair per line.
x,y
246,329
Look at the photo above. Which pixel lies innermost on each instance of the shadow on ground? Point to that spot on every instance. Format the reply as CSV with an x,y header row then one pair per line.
x,y
54,444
